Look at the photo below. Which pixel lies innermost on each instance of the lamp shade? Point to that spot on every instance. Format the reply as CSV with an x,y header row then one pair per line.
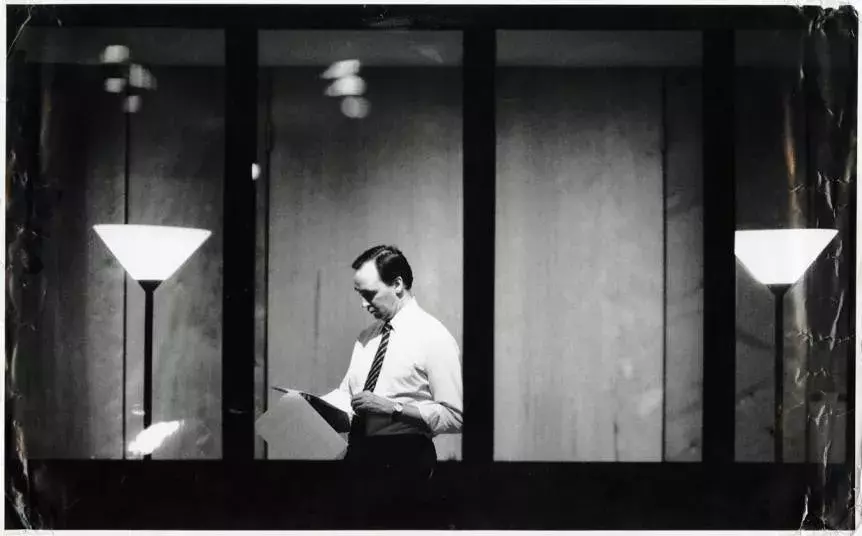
x,y
780,256
151,252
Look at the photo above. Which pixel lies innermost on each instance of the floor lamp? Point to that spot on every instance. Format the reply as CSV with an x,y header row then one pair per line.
x,y
150,254
777,258
128,79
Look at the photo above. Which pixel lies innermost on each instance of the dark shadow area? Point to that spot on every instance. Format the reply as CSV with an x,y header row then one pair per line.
x,y
537,496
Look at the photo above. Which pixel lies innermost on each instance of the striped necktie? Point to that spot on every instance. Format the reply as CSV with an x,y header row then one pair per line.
x,y
377,364
357,427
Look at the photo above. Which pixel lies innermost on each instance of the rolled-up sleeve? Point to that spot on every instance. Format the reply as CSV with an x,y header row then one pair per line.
x,y
444,413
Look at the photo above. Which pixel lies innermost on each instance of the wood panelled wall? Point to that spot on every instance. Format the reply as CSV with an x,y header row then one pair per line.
x,y
338,186
70,371
581,338
683,331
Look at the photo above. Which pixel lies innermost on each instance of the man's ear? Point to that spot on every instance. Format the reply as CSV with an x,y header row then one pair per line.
x,y
399,287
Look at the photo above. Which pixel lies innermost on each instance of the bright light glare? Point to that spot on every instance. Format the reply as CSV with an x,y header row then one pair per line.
x,y
115,85
780,256
151,252
340,69
355,107
115,54
152,438
141,77
349,85
132,104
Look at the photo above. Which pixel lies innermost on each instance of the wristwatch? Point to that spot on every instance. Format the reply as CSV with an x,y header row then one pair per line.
x,y
399,409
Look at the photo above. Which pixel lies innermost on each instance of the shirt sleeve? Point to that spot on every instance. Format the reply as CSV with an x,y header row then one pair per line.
x,y
443,414
341,396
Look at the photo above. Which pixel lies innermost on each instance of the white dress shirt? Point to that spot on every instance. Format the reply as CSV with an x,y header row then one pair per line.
x,y
421,367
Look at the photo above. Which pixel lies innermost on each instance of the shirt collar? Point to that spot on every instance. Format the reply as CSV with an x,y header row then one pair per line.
x,y
404,314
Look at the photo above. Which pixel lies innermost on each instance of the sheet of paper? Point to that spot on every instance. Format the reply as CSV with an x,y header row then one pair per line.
x,y
294,430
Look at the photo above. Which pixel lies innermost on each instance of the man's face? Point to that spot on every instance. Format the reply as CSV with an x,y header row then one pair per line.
x,y
378,298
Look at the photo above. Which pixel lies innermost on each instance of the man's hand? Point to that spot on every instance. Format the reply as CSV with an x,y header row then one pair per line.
x,y
368,402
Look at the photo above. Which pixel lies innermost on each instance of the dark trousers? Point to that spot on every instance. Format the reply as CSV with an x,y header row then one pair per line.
x,y
412,452
390,478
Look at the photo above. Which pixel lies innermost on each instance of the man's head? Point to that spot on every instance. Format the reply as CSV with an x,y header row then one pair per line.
x,y
383,280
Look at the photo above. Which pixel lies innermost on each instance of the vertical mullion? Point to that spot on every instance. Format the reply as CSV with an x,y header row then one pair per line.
x,y
719,278
479,178
664,195
851,452
851,443
263,188
239,244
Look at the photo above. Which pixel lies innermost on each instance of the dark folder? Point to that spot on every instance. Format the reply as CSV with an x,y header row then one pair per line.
x,y
336,418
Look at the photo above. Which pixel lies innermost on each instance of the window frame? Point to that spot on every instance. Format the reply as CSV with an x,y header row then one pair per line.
x,y
725,492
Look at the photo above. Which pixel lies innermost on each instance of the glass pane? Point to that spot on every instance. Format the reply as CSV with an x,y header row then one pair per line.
x,y
126,123
598,311
793,167
353,154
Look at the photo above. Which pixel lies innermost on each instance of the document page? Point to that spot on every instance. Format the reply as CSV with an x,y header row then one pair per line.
x,y
334,407
293,429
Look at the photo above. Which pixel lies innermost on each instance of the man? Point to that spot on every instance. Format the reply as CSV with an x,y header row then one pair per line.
x,y
404,377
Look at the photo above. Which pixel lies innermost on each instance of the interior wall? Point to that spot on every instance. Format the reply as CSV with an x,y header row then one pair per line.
x,y
71,370
338,186
683,196
579,282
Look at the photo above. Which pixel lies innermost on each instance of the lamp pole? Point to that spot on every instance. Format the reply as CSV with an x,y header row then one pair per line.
x,y
149,291
779,290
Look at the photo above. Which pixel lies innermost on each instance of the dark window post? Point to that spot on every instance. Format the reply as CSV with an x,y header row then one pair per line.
x,y
479,202
719,271
239,244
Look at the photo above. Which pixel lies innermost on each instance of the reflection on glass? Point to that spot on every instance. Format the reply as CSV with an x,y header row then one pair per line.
x,y
355,108
151,438
347,86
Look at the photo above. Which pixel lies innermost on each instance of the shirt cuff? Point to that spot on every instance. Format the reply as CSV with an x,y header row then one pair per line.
x,y
439,417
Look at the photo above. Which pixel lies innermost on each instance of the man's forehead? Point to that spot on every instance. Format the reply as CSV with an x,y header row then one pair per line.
x,y
366,276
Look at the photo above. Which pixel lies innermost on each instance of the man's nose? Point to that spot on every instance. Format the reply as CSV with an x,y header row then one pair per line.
x,y
365,304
